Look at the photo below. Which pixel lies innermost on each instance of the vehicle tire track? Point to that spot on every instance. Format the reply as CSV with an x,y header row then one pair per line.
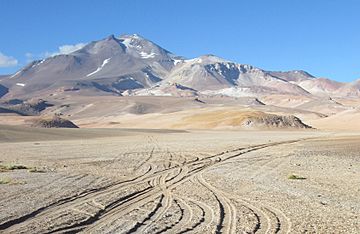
x,y
228,209
138,225
227,219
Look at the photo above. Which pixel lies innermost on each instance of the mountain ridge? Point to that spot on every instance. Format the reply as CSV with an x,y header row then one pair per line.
x,y
131,64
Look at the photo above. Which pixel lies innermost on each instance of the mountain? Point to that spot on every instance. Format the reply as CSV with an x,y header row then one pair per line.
x,y
129,81
351,89
132,65
112,65
213,75
292,76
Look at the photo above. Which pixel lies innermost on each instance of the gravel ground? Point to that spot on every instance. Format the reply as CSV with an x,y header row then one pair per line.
x,y
145,181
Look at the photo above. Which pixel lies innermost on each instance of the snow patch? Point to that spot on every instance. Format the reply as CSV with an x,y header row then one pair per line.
x,y
148,92
99,68
127,42
34,65
17,73
231,92
177,61
146,55
195,60
37,64
20,84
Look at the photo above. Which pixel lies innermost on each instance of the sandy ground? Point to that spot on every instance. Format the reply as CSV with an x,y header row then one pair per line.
x,y
158,181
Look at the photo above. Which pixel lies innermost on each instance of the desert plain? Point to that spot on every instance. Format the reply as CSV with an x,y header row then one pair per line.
x,y
178,181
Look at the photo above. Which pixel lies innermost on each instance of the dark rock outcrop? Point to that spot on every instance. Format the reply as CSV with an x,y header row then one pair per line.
x,y
55,122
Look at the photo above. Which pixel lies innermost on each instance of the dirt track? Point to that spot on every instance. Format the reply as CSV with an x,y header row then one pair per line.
x,y
157,183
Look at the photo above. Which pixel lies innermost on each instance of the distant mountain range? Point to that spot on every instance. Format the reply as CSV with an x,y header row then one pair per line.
x,y
131,65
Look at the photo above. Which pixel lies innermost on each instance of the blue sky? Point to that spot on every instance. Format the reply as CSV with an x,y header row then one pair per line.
x,y
321,37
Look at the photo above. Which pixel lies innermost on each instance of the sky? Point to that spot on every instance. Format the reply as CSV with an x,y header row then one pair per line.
x,y
321,37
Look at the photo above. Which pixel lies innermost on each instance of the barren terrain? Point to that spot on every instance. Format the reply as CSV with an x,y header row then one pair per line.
x,y
194,113
120,135
173,181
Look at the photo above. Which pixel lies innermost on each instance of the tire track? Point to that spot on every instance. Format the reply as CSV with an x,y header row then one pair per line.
x,y
68,201
205,220
164,208
227,219
164,224
138,225
187,215
123,205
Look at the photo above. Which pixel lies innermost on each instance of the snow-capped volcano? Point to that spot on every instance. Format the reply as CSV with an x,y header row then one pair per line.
x,y
133,64
113,64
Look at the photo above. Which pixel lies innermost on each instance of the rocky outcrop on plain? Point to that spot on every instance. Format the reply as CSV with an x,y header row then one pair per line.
x,y
25,108
274,121
55,122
